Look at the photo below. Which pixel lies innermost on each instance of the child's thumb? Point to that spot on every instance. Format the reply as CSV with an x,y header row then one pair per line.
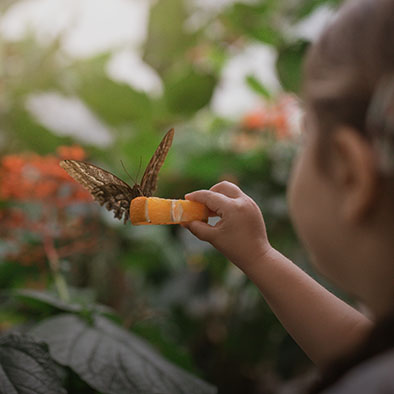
x,y
201,230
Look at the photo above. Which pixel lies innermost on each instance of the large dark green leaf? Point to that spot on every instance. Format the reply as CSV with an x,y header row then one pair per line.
x,y
113,360
188,90
45,300
42,299
26,367
116,103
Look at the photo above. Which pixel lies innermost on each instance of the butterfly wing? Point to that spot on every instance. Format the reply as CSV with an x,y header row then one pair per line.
x,y
149,179
107,189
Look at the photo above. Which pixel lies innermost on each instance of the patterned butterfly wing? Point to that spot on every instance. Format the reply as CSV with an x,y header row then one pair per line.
x,y
106,188
149,179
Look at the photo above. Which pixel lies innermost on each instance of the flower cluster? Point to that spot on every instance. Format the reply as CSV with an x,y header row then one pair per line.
x,y
32,177
276,119
35,192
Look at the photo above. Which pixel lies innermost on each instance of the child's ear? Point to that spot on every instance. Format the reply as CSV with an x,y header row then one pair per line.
x,y
355,172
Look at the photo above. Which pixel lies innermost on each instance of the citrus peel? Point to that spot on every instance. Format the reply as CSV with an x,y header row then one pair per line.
x,y
155,210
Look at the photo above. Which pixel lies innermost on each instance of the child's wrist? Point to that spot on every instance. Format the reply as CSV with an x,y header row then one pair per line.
x,y
256,259
265,270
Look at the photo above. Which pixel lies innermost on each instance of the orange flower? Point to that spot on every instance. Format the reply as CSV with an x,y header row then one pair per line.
x,y
28,177
273,117
71,152
254,120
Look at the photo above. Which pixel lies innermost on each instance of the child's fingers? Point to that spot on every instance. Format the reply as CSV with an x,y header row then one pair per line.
x,y
215,202
227,188
201,230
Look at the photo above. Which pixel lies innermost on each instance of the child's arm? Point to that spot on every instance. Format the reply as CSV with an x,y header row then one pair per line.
x,y
324,326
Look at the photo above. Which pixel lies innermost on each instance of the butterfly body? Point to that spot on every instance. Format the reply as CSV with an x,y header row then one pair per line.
x,y
110,191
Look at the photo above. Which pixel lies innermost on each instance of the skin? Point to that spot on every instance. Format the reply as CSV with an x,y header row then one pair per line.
x,y
341,215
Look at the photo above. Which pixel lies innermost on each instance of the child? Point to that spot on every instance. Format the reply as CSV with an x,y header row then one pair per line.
x,y
341,200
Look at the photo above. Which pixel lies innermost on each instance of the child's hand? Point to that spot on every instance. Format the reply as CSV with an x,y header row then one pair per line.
x,y
240,234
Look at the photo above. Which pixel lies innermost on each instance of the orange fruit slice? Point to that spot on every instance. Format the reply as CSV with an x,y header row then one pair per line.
x,y
154,210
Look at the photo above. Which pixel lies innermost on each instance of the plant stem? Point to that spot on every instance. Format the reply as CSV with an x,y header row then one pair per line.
x,y
61,286
54,264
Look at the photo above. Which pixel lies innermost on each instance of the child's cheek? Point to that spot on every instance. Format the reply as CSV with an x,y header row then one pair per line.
x,y
303,200
294,191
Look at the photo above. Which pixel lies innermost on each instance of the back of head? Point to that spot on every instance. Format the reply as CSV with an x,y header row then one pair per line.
x,y
344,67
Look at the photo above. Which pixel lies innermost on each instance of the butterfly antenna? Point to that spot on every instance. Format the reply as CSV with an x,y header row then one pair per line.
x,y
139,167
132,179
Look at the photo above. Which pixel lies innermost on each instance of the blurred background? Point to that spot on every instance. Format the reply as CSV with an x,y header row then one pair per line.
x,y
102,81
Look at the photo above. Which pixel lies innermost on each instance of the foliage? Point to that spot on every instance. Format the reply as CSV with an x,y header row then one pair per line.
x,y
67,268
111,359
20,356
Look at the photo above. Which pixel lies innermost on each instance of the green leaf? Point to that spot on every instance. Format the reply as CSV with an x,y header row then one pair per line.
x,y
152,331
257,86
289,65
167,39
188,90
114,102
13,274
40,299
30,134
113,360
257,21
26,367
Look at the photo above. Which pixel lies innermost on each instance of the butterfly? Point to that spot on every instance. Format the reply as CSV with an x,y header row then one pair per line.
x,y
110,191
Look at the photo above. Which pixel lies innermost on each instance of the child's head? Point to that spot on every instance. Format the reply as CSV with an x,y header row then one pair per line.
x,y
344,67
341,198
